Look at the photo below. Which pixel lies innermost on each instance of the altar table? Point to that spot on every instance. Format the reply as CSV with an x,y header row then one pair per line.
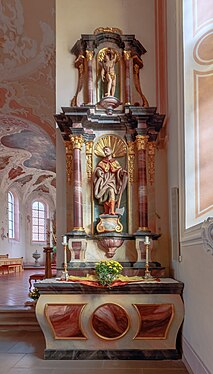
x,y
134,321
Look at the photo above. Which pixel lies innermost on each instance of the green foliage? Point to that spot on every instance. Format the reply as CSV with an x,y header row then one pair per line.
x,y
34,294
107,271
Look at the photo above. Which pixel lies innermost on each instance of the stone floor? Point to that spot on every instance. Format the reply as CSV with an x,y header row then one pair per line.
x,y
22,352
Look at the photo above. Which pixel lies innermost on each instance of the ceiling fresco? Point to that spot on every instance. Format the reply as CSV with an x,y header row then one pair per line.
x,y
27,96
41,149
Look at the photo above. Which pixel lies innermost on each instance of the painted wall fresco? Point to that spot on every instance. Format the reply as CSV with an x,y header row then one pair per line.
x,y
27,106
27,90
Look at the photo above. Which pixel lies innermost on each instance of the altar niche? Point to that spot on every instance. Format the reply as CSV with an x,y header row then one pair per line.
x,y
109,185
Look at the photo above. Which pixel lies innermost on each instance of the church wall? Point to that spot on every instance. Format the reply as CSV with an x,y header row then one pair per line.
x,y
195,266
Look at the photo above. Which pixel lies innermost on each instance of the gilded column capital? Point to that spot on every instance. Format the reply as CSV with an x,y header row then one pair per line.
x,y
89,55
141,142
127,55
77,141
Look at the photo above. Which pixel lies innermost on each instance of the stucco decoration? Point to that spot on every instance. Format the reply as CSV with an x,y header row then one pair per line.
x,y
207,234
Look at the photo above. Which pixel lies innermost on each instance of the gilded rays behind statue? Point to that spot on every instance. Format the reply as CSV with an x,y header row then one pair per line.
x,y
110,180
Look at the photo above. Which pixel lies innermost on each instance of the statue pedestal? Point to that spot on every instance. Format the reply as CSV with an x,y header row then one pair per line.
x,y
109,223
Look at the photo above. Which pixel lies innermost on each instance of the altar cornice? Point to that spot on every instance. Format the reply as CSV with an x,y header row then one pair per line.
x,y
166,286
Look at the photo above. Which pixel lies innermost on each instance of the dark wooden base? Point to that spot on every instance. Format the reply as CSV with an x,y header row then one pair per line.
x,y
132,354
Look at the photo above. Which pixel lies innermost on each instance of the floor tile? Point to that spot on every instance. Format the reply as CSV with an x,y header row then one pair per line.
x,y
165,371
31,361
8,361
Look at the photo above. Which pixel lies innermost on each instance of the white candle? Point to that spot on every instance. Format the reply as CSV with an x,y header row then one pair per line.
x,y
64,240
146,241
65,256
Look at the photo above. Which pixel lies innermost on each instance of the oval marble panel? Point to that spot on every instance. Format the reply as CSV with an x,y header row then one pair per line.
x,y
110,321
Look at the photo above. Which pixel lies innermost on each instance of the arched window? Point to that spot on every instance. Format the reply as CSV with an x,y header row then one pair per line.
x,y
11,215
39,216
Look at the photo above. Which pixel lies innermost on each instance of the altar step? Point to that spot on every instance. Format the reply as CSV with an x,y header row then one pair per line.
x,y
18,318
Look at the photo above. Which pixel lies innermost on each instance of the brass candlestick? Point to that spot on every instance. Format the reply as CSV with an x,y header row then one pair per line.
x,y
147,272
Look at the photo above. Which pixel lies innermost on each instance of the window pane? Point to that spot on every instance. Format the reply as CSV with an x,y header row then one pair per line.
x,y
35,205
35,213
41,214
38,221
41,229
10,214
40,206
41,237
35,236
35,222
41,222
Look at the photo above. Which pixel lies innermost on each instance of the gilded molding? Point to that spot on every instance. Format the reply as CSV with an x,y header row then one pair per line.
x,y
108,29
127,55
77,141
89,55
69,160
151,161
89,157
141,142
131,160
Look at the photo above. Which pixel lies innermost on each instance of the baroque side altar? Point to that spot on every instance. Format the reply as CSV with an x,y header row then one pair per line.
x,y
110,134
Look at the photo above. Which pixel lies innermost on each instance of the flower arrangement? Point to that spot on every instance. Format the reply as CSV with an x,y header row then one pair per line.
x,y
107,271
34,294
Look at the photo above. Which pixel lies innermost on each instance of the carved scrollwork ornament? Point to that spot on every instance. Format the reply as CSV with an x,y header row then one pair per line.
x,y
89,55
141,142
69,160
127,55
89,157
207,234
108,29
151,161
77,141
131,160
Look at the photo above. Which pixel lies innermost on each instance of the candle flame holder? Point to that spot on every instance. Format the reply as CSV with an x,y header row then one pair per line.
x,y
65,274
147,275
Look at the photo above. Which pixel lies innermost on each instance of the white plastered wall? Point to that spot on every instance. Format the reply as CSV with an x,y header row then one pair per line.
x,y
195,269
76,17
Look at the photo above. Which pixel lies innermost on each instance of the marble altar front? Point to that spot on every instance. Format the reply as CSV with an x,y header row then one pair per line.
x,y
135,321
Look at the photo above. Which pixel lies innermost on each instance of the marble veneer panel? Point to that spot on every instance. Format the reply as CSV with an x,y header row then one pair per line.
x,y
64,320
155,320
110,321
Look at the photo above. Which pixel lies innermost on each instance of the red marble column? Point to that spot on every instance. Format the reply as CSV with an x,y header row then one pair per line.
x,y
89,56
77,142
141,142
127,56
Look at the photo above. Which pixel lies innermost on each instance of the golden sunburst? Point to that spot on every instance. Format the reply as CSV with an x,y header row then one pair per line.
x,y
105,51
117,144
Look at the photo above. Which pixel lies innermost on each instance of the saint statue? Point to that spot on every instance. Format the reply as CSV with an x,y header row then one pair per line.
x,y
108,72
110,180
